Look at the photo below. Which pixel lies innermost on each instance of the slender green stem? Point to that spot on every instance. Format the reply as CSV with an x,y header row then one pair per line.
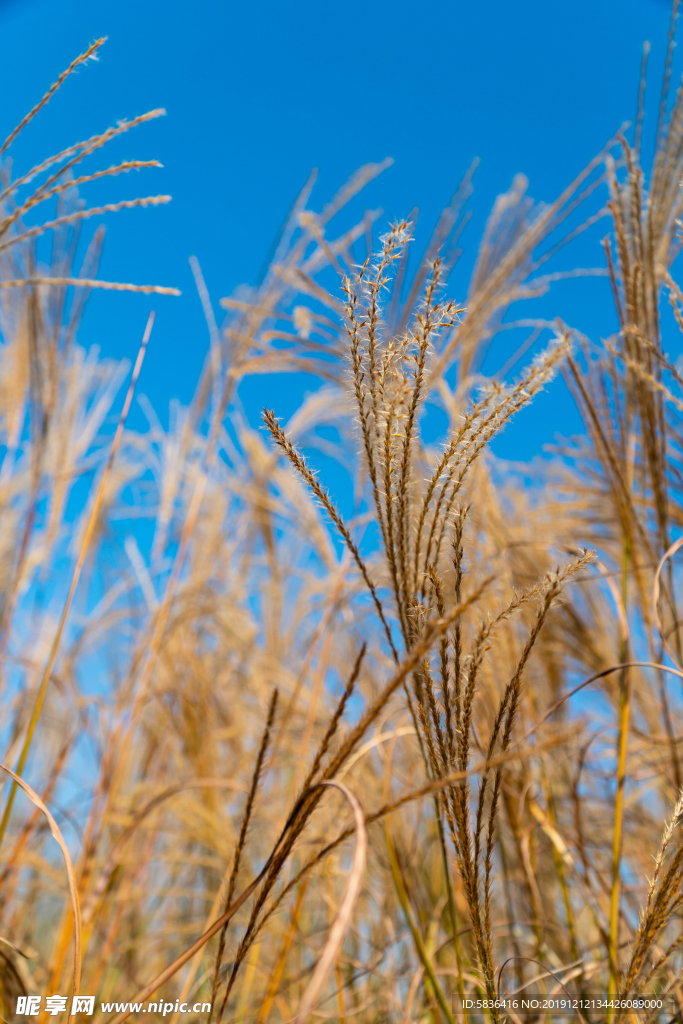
x,y
419,943
624,714
452,912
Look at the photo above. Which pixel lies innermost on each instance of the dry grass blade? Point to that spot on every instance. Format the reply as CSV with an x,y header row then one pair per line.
x,y
546,973
73,887
342,918
669,553
594,679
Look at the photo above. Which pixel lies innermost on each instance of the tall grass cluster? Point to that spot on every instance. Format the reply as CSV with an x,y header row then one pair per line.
x,y
361,749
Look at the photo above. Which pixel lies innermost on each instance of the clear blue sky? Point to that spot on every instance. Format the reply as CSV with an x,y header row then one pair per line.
x,y
259,93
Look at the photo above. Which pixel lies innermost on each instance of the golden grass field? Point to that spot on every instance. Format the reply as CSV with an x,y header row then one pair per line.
x,y
307,767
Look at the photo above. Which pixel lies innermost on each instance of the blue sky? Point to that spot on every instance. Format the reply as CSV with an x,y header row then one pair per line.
x,y
257,94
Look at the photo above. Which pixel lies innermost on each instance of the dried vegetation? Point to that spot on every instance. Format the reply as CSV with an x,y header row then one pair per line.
x,y
308,763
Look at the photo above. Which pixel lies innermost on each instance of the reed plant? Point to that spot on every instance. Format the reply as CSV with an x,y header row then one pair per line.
x,y
377,748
